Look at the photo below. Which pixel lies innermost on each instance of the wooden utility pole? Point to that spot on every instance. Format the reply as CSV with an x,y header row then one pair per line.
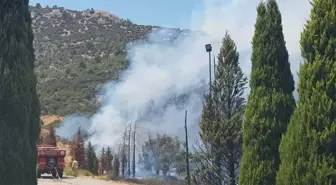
x,y
123,153
210,86
133,164
187,148
129,150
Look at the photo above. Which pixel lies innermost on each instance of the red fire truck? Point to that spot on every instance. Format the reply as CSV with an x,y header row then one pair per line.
x,y
50,160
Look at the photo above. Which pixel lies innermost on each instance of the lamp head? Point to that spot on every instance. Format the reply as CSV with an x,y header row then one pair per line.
x,y
208,48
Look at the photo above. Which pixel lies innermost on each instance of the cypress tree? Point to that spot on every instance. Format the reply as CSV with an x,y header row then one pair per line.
x,y
308,149
19,104
270,103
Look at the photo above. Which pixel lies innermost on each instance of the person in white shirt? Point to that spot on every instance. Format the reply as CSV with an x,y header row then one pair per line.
x,y
74,166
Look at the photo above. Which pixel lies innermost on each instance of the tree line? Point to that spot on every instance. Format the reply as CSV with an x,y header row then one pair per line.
x,y
158,154
269,138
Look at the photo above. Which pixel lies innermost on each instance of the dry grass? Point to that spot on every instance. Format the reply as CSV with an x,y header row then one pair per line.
x,y
152,181
81,172
48,119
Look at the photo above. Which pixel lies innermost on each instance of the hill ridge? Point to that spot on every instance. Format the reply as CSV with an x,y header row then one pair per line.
x,y
79,51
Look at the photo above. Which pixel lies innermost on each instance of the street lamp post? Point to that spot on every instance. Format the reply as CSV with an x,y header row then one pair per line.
x,y
214,66
208,49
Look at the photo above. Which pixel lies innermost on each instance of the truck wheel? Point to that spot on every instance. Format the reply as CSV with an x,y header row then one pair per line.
x,y
60,173
38,174
53,173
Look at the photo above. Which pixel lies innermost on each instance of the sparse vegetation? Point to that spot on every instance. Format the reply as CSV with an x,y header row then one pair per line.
x,y
76,51
54,124
81,172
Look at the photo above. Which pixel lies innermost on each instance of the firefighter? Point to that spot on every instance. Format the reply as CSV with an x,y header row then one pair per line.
x,y
74,166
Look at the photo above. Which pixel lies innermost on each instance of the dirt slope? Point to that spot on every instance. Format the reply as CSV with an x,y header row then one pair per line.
x,y
48,119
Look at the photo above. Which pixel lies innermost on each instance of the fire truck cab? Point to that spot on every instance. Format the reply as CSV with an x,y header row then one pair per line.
x,y
50,161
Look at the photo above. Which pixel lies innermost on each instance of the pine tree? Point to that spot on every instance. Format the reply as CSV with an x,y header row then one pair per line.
x,y
308,149
228,91
103,158
209,134
19,104
221,123
270,103
109,159
52,137
116,166
92,160
78,148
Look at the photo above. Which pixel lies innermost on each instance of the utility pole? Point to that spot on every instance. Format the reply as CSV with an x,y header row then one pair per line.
x,y
208,49
123,154
214,65
133,164
129,150
187,148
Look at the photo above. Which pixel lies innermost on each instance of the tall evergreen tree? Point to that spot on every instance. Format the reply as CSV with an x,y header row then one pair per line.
x,y
92,160
221,124
52,137
270,103
19,104
116,166
78,148
228,91
109,159
308,150
209,153
103,158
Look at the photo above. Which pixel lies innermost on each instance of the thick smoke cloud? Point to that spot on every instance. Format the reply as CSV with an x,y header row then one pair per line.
x,y
158,72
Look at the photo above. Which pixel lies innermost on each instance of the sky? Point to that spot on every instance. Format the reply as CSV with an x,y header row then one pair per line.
x,y
172,13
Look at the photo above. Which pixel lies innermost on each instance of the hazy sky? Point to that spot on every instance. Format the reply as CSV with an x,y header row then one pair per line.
x,y
172,13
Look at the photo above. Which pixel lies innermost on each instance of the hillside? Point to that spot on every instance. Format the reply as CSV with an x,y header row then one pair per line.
x,y
77,52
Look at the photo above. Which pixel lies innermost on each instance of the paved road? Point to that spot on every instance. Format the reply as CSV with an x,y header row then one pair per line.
x,y
48,180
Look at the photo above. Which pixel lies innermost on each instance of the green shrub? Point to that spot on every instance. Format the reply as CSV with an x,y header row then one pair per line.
x,y
81,172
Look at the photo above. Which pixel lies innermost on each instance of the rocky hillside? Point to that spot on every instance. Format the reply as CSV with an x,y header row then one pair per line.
x,y
76,53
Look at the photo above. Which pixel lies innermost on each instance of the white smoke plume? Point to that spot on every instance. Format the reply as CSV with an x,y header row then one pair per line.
x,y
160,71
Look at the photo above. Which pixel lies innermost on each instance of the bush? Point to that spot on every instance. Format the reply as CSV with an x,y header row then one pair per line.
x,y
68,171
81,172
